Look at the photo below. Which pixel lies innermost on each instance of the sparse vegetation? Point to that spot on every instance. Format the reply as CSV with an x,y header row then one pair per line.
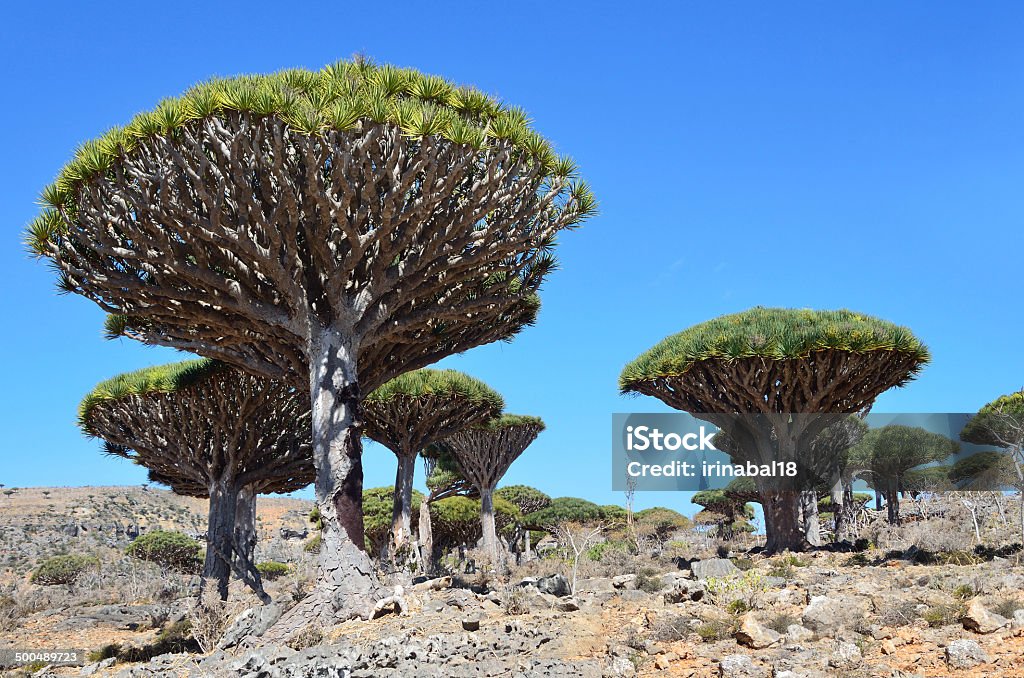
x,y
63,569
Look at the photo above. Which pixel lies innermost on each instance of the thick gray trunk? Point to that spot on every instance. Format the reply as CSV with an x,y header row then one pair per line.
x,y
426,539
245,543
526,550
347,584
401,515
782,523
219,536
490,534
809,514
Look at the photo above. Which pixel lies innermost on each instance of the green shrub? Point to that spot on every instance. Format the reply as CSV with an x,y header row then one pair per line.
x,y
780,623
271,569
598,552
737,606
648,580
943,615
63,569
313,545
168,549
963,592
715,629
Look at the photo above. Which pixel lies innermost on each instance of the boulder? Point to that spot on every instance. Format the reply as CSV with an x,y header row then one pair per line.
x,y
965,654
251,622
555,585
1018,619
623,580
754,634
980,619
827,614
713,567
798,634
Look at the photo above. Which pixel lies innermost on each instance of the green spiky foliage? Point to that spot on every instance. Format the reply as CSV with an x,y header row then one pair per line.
x,y
660,522
442,383
890,452
789,374
742,490
339,98
378,503
728,514
987,469
780,334
613,512
564,510
527,499
999,423
928,479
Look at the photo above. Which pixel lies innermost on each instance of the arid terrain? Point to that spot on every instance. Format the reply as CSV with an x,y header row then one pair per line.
x,y
679,611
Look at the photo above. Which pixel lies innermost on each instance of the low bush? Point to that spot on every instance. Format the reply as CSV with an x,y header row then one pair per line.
x,y
780,623
715,629
648,580
943,615
172,550
313,545
63,569
271,569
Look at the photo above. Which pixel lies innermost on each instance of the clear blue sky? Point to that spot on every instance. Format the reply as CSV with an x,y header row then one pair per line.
x,y
867,155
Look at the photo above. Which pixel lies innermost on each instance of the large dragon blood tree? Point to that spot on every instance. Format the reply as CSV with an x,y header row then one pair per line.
x,y
207,429
781,370
483,454
333,229
418,409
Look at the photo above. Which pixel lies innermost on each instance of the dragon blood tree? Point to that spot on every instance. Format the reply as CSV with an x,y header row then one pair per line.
x,y
483,454
209,430
528,500
766,377
333,229
418,409
1000,423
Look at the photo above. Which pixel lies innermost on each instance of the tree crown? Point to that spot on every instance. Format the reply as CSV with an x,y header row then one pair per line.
x,y
427,382
169,378
773,333
510,421
338,97
999,423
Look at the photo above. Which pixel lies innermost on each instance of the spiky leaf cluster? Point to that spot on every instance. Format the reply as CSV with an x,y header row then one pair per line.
x,y
999,423
527,499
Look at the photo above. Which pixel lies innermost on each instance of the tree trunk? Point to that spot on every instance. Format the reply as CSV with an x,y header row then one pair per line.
x,y
892,505
782,524
426,538
245,543
809,516
219,536
490,534
526,550
401,515
347,585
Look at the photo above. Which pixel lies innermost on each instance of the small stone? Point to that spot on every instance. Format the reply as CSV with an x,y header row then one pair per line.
x,y
1018,620
740,666
621,581
471,623
568,605
845,656
965,654
555,585
888,647
799,634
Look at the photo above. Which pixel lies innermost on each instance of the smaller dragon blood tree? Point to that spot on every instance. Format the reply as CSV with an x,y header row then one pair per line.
x,y
209,430
415,410
484,453
767,377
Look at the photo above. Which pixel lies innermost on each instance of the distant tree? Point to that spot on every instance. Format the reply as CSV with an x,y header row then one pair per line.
x,y
790,373
483,454
209,430
660,522
528,500
418,409
378,504
727,513
892,451
564,510
1000,423
332,229
456,521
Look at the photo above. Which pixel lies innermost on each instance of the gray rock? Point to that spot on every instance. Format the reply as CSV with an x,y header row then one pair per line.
x,y
713,567
90,669
1018,620
471,623
754,634
845,656
555,585
620,666
798,634
825,615
980,619
623,580
965,654
251,622
740,666
289,533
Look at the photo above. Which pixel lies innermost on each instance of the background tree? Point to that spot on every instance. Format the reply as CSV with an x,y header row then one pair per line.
x,y
528,500
456,522
727,513
784,370
207,429
1000,423
891,451
483,454
333,229
378,505
415,410
443,480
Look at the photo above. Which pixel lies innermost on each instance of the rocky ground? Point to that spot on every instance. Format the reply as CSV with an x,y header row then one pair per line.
x,y
822,614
